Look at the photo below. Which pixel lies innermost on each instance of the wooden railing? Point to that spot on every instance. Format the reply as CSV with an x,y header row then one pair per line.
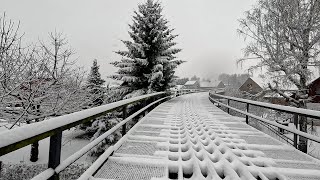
x,y
216,98
17,138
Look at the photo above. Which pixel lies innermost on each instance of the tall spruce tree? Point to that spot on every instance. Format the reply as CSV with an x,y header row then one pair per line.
x,y
95,85
149,63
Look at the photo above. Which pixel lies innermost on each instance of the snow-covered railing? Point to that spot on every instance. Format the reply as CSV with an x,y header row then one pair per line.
x,y
187,91
19,137
292,110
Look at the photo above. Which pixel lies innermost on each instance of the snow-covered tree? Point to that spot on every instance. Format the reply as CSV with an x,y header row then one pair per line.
x,y
95,92
284,39
149,62
94,85
100,126
38,81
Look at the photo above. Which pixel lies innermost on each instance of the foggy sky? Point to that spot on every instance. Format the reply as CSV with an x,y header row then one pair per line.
x,y
94,28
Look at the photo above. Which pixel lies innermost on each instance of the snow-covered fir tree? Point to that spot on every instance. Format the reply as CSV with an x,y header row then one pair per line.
x,y
95,86
95,92
149,63
99,95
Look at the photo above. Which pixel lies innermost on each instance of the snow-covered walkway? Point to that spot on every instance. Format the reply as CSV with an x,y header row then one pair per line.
x,y
189,138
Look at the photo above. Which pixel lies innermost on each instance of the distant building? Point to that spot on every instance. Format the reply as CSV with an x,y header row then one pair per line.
x,y
314,90
206,85
250,86
219,84
192,85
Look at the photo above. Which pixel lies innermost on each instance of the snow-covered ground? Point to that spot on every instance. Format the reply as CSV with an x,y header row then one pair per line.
x,y
70,145
313,147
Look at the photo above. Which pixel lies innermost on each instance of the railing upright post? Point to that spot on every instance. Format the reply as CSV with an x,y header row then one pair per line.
x,y
247,117
55,153
152,100
124,116
228,110
144,105
295,136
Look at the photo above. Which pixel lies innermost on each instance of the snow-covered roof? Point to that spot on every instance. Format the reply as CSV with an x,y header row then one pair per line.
x,y
190,82
259,81
206,84
216,83
179,86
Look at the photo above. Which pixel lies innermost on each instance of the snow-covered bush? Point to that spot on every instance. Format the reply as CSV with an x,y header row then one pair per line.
x,y
100,126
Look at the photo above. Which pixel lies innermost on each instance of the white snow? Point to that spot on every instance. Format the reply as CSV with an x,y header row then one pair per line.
x,y
274,106
31,130
44,175
293,130
195,150
70,144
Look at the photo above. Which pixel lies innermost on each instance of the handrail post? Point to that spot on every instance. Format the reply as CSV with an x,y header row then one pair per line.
x,y
153,99
247,117
55,153
124,116
0,168
144,105
228,110
295,136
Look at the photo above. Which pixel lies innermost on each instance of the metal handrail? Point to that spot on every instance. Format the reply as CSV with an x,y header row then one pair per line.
x,y
285,138
287,109
295,111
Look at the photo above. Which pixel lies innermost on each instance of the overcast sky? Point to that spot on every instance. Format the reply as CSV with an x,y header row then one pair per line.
x,y
94,28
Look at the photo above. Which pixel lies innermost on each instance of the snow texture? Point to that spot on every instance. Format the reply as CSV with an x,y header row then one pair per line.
x,y
199,141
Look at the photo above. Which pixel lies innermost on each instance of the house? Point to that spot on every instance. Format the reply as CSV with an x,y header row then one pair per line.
x,y
219,84
192,85
250,86
314,90
206,85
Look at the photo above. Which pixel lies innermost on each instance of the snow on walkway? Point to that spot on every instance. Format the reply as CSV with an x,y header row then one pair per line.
x,y
189,138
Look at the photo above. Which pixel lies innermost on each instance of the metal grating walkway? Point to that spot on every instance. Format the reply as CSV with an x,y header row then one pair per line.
x,y
189,138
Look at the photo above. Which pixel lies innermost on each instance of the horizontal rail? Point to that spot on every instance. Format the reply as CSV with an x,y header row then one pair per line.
x,y
295,131
99,162
17,138
92,144
288,109
71,159
282,136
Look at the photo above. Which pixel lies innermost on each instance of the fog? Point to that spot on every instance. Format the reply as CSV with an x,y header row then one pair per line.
x,y
206,28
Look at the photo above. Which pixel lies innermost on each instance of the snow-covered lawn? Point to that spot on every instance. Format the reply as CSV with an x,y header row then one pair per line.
x,y
70,145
